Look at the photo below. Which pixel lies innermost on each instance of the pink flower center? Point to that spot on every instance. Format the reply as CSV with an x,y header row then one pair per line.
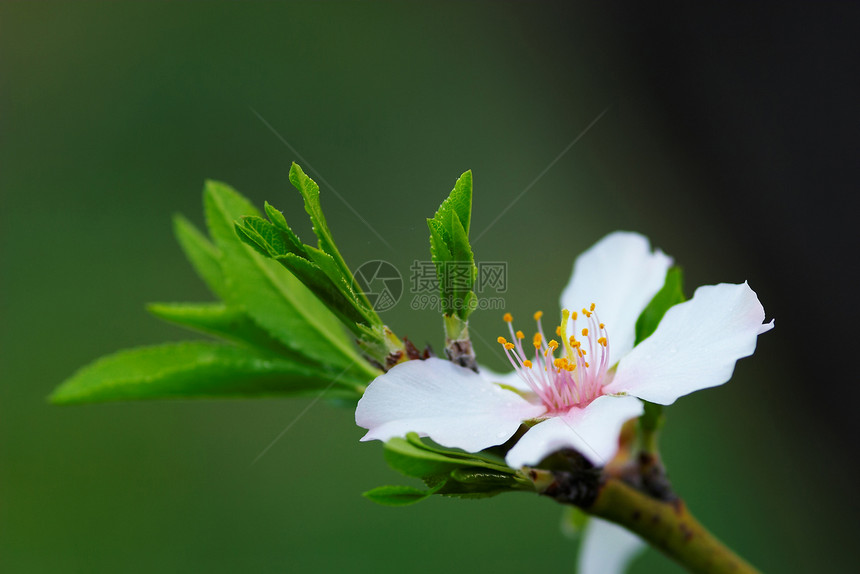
x,y
576,376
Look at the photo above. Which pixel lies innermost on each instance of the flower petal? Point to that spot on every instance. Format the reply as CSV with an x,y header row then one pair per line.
x,y
452,405
592,431
511,379
695,346
620,274
607,548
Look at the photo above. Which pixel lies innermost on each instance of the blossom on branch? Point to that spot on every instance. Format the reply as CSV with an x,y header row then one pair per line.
x,y
579,391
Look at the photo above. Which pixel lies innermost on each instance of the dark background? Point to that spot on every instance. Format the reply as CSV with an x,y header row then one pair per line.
x,y
729,137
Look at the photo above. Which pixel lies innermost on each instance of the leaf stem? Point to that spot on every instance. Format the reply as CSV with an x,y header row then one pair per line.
x,y
669,527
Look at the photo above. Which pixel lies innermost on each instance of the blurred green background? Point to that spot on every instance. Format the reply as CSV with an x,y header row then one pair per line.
x,y
724,139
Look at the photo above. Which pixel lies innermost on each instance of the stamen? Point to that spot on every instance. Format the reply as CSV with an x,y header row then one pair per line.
x,y
567,380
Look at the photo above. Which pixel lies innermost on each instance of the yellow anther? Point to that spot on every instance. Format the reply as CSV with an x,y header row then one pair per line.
x,y
501,340
572,341
602,341
586,365
558,363
538,315
527,364
591,308
537,340
553,344
585,332
558,331
602,326
584,352
586,312
520,335
507,317
509,346
574,316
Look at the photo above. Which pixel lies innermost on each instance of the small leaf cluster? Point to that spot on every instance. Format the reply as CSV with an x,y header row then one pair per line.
x,y
450,250
273,336
449,472
321,269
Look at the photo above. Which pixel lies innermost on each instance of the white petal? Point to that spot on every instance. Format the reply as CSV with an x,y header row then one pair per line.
x,y
695,346
620,275
607,548
452,405
592,431
511,379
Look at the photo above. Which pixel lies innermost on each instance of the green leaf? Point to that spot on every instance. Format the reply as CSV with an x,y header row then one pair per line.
x,y
452,472
491,461
481,483
311,194
411,460
260,234
398,495
458,203
462,253
321,285
270,294
221,321
414,458
449,244
194,369
668,296
203,256
278,219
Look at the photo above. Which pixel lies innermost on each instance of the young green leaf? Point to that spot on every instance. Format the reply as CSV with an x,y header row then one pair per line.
x,y
203,256
451,252
491,461
321,269
311,194
270,294
422,461
221,321
398,495
194,369
458,203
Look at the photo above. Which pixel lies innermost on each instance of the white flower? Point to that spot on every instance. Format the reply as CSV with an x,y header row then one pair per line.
x,y
607,548
581,398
